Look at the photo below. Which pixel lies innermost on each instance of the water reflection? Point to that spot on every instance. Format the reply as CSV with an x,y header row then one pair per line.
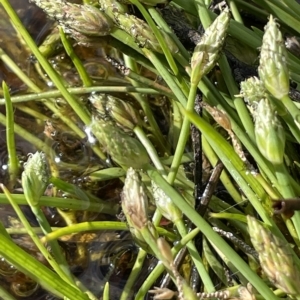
x,y
94,257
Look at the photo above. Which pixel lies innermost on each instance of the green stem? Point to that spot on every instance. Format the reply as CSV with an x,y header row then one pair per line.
x,y
159,20
136,269
292,109
183,137
145,81
225,179
21,231
157,271
106,291
209,286
37,241
55,248
287,192
227,75
214,238
235,12
150,149
75,59
165,74
17,70
74,103
4,294
158,35
28,136
143,101
31,267
13,163
69,203
82,90
96,226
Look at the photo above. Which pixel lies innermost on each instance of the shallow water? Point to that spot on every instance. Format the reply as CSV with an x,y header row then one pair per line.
x,y
93,257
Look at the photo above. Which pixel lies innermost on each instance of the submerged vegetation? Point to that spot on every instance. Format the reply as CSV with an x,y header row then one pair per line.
x,y
150,150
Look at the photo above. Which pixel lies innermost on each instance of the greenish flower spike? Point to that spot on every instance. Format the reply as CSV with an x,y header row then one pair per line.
x,y
123,149
135,208
84,19
120,111
276,258
165,205
252,90
142,33
35,178
111,7
134,200
207,51
273,70
269,133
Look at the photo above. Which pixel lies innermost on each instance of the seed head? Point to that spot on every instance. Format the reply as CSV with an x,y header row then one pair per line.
x,y
83,19
125,150
120,111
165,205
253,90
207,51
276,258
35,178
269,133
142,33
134,200
273,70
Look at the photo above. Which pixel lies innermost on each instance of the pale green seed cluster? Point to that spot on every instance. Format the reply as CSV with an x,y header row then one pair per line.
x,y
142,33
252,90
121,112
83,21
165,205
77,19
134,200
123,149
111,7
276,258
134,26
269,133
207,51
135,208
273,70
35,177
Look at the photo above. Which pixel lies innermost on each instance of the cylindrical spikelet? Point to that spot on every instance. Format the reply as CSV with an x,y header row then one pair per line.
x,y
165,205
35,178
135,207
120,111
253,90
276,258
134,200
99,103
165,249
111,7
123,149
84,19
273,70
142,33
207,51
269,133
